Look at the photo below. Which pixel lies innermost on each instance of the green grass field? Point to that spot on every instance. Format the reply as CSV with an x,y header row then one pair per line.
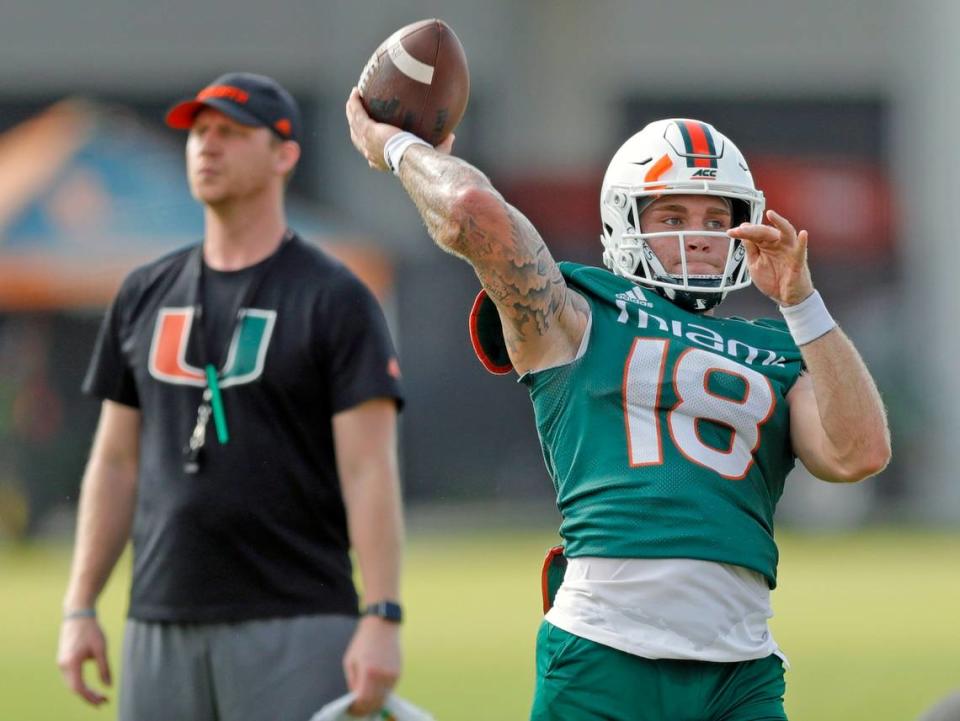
x,y
867,619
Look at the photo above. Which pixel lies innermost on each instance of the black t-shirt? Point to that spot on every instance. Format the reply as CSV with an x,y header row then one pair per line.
x,y
260,530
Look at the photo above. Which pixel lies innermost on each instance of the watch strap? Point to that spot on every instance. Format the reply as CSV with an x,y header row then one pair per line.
x,y
387,610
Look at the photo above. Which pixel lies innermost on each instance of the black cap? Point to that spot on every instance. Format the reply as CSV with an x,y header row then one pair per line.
x,y
247,98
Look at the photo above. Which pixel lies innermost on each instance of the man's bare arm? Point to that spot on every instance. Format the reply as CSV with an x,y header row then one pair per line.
x,y
107,498
543,320
366,448
838,425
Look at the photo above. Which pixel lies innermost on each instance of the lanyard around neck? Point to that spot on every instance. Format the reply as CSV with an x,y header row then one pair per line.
x,y
212,394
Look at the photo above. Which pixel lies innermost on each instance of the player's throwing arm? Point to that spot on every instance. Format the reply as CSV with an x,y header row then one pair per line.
x,y
543,320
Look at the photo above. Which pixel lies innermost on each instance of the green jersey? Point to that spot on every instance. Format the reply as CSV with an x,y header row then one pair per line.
x,y
669,436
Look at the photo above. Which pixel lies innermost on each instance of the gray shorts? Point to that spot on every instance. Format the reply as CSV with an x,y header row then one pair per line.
x,y
275,670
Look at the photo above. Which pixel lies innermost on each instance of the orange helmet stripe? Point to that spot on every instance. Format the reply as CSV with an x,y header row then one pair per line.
x,y
658,169
699,143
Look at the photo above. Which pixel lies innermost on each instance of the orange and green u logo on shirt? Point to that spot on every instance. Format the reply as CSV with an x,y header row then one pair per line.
x,y
245,357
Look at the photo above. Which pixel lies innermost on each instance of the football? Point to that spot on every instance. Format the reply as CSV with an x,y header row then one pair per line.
x,y
418,80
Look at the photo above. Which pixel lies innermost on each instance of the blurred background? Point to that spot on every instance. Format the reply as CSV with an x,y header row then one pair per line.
x,y
845,112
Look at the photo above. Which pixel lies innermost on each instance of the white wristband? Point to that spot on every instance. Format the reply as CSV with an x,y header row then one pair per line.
x,y
396,146
809,319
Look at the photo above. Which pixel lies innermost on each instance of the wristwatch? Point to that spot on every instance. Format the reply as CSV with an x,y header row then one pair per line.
x,y
387,610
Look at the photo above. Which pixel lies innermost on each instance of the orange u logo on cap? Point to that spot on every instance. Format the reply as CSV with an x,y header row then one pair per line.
x,y
224,91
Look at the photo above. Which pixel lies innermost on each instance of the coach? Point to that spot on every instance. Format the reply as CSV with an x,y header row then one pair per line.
x,y
247,439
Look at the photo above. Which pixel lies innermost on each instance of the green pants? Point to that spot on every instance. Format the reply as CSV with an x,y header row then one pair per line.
x,y
580,680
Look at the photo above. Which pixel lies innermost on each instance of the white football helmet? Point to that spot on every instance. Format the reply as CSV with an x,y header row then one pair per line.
x,y
675,157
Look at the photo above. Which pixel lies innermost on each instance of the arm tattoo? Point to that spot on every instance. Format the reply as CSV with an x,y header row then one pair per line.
x,y
504,248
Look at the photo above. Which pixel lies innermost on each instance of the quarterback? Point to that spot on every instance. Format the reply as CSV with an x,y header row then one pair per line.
x,y
668,431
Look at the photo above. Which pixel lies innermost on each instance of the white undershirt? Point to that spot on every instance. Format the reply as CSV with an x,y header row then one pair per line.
x,y
676,608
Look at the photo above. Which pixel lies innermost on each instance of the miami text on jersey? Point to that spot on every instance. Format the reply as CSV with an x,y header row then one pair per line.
x,y
698,334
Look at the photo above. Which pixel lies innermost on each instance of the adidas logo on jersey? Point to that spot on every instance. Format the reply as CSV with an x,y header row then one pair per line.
x,y
635,295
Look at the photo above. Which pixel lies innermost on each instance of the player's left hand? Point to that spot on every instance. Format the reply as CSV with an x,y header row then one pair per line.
x,y
369,136
372,664
777,258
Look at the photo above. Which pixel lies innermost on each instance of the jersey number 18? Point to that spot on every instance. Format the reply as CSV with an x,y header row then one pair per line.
x,y
643,378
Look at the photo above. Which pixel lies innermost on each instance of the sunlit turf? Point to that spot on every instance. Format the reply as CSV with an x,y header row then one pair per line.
x,y
866,618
